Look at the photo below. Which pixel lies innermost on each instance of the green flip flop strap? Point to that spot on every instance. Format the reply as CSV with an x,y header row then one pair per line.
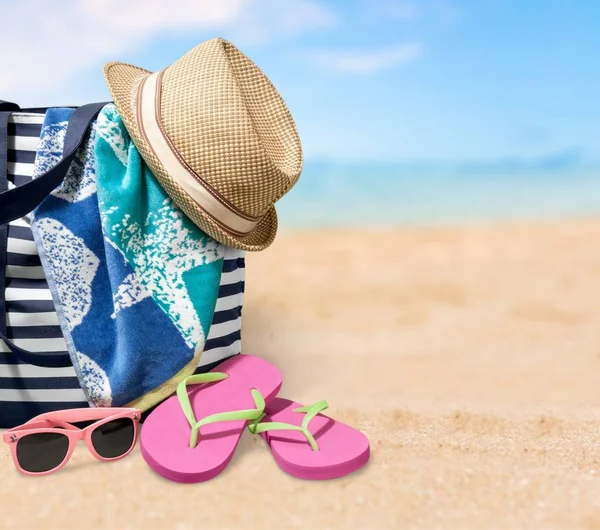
x,y
210,377
311,411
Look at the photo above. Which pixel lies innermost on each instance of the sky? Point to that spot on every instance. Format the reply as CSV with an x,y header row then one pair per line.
x,y
480,83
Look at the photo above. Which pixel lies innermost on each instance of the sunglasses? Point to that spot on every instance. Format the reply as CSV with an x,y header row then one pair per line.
x,y
45,443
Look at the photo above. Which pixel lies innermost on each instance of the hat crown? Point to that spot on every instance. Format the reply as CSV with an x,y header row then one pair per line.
x,y
230,126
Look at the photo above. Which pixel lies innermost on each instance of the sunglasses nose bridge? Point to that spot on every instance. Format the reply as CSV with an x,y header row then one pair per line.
x,y
77,436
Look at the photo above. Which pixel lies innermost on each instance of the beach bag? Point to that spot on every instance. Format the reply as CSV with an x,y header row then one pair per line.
x,y
36,373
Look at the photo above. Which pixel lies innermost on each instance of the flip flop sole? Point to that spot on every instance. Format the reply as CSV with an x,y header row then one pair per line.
x,y
165,436
342,449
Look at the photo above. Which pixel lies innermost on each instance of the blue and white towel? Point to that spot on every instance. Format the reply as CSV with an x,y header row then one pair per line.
x,y
134,281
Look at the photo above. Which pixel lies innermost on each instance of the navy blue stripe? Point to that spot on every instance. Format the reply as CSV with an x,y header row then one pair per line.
x,y
38,383
45,306
16,413
26,283
225,316
222,342
30,306
20,232
19,180
209,367
230,265
231,289
19,176
34,332
24,157
24,129
9,358
23,260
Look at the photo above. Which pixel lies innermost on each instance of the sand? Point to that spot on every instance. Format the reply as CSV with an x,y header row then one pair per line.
x,y
469,356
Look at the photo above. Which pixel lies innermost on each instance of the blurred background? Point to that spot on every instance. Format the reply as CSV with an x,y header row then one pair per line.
x,y
467,349
410,111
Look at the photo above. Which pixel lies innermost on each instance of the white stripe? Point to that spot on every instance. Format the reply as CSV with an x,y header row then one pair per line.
x,y
28,370
27,117
235,276
15,294
15,320
216,354
63,395
19,168
176,169
229,302
24,143
26,219
20,222
21,246
37,345
224,328
50,318
31,273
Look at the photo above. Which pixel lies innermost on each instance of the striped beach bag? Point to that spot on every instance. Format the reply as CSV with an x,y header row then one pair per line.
x,y
36,374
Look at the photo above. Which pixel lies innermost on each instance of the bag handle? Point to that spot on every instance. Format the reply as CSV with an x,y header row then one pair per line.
x,y
8,106
18,202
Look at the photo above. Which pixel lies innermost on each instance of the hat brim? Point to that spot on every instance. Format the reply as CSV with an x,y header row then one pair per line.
x,y
122,80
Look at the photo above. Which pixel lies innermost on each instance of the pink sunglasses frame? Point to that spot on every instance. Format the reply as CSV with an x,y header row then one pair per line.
x,y
64,418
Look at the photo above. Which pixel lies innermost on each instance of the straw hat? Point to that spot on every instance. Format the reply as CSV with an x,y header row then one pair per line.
x,y
218,137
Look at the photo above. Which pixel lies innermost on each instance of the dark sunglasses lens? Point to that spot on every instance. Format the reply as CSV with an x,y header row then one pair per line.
x,y
114,438
42,451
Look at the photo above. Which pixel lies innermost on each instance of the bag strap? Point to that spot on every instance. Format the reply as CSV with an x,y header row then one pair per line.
x,y
8,106
18,202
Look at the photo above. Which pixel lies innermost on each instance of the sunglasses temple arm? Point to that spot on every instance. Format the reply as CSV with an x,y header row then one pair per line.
x,y
49,422
64,425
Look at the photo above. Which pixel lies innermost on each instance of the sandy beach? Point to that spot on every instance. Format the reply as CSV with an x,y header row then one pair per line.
x,y
469,356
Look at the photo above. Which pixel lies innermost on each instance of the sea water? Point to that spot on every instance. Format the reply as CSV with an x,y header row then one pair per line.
x,y
385,195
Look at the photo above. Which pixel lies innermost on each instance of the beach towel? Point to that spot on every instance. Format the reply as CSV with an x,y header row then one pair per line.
x,y
133,280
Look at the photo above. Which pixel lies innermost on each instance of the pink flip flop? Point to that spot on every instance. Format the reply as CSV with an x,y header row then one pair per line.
x,y
309,445
192,436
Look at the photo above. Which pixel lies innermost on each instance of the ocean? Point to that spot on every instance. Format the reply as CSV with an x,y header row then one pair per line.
x,y
332,195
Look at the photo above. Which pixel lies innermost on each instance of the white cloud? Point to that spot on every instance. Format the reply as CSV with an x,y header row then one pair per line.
x,y
50,42
369,62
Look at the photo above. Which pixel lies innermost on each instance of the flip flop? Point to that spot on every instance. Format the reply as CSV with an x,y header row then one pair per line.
x,y
306,444
192,436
